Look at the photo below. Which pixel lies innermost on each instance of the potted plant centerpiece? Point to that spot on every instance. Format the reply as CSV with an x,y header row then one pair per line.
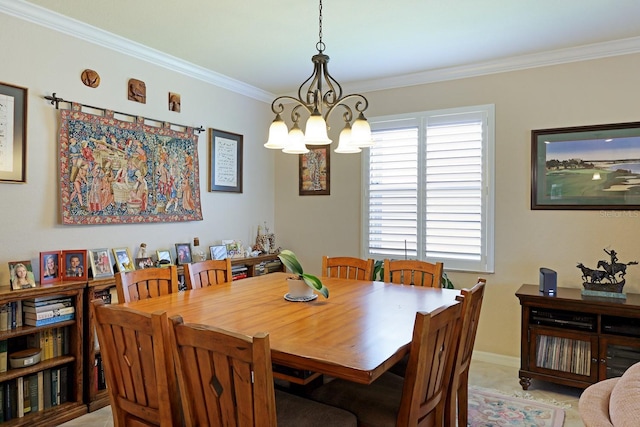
x,y
301,284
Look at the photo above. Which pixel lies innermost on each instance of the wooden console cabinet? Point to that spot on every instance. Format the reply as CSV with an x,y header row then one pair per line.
x,y
576,340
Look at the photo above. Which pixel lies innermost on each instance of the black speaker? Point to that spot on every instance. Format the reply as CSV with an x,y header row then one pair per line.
x,y
548,282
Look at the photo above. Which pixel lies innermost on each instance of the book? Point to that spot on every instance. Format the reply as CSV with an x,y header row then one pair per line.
x,y
49,307
50,299
50,320
26,396
33,392
40,405
50,313
63,382
3,355
55,387
4,317
46,382
2,391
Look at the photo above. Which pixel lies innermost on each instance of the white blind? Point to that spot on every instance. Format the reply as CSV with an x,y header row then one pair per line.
x,y
429,188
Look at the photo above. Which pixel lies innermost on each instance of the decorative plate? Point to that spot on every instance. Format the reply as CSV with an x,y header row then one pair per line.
x,y
300,299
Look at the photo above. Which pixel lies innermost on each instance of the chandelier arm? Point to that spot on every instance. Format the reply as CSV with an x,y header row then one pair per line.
x,y
346,98
277,107
332,96
314,83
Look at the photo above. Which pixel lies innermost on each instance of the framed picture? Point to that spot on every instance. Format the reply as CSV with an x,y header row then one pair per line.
x,y
21,274
314,172
218,251
183,253
586,167
164,257
225,161
50,267
123,259
101,263
75,265
13,133
142,263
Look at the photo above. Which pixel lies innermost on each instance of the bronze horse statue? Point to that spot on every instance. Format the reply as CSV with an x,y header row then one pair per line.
x,y
596,276
615,268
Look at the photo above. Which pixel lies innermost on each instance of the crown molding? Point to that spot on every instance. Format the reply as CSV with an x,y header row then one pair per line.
x,y
52,20
57,22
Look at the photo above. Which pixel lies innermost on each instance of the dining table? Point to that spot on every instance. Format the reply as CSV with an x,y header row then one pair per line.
x,y
359,332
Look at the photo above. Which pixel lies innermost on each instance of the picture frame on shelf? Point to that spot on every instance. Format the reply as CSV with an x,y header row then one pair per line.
x,y
21,275
75,265
13,126
586,167
50,267
234,248
314,172
225,161
123,259
183,253
164,257
218,251
101,263
145,262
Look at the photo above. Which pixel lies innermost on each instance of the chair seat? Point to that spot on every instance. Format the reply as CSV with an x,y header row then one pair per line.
x,y
295,411
358,398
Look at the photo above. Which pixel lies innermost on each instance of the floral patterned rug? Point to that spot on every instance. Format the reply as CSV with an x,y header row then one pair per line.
x,y
492,409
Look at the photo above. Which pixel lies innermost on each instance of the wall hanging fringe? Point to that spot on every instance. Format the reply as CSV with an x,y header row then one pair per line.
x,y
55,100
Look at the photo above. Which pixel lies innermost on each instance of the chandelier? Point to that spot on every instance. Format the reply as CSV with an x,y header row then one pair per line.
x,y
319,106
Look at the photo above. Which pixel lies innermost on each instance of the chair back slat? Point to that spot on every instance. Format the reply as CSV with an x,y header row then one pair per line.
x,y
224,378
207,273
413,272
431,360
347,268
146,283
138,368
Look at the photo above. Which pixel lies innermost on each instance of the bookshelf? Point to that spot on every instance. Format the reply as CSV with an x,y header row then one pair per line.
x,y
63,364
259,265
574,340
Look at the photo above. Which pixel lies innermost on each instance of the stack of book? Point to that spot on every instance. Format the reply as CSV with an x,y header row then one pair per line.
x,y
239,272
10,315
47,310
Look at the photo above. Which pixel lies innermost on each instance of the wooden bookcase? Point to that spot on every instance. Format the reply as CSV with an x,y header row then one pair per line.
x,y
576,340
258,265
72,362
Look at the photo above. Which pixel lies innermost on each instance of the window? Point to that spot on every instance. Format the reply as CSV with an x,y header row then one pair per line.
x,y
429,188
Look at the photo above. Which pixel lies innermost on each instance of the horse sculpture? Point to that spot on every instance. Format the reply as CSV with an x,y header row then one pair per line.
x,y
596,276
615,268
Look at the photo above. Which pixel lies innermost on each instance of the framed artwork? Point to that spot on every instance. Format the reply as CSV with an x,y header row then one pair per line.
x,y
13,133
101,264
50,267
164,257
314,172
586,167
21,274
75,265
218,251
183,253
145,262
225,161
124,262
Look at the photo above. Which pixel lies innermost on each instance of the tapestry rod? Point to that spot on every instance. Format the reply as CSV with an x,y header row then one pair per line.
x,y
57,100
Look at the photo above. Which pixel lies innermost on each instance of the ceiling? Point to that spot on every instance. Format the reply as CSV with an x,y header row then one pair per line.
x,y
373,44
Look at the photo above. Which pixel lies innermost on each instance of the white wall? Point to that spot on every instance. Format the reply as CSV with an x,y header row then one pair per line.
x,y
46,61
581,93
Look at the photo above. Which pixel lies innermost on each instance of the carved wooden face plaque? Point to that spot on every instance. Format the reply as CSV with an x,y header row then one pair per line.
x,y
137,91
90,78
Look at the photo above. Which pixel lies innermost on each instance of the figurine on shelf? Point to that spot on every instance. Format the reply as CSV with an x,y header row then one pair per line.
x,y
142,251
608,277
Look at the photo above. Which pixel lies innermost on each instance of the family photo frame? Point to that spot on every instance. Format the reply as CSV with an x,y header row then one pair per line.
x,y
164,257
586,167
21,275
183,253
101,263
50,267
123,259
75,264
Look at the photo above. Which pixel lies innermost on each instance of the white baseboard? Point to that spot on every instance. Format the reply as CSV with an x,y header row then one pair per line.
x,y
498,359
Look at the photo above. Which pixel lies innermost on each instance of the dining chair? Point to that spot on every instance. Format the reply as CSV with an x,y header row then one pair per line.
x,y
458,398
206,273
137,366
226,379
347,267
146,283
420,397
413,272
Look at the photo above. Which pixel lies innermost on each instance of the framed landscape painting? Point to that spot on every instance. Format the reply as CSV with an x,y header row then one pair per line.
x,y
586,167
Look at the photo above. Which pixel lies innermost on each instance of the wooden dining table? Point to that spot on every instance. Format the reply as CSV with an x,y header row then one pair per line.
x,y
359,332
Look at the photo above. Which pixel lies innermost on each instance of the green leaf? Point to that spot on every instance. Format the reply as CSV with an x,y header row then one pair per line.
x,y
290,261
316,284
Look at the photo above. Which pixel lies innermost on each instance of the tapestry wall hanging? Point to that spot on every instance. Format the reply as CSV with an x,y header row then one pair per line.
x,y
121,172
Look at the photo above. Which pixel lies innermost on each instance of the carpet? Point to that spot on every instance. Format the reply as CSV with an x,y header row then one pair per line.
x,y
489,408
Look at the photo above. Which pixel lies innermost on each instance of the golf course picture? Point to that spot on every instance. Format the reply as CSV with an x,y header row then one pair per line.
x,y
586,169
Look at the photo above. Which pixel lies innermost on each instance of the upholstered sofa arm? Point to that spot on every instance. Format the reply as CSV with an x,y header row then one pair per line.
x,y
624,406
594,403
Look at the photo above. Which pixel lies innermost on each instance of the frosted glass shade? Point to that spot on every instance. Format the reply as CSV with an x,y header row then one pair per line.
x,y
296,141
316,131
361,132
278,134
344,143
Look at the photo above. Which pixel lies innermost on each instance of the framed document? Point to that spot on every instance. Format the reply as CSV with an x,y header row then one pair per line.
x,y
225,161
13,133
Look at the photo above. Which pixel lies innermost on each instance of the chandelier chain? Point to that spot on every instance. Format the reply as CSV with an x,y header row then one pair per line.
x,y
320,45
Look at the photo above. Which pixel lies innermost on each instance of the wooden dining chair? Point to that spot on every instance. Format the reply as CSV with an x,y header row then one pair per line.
x,y
347,267
226,379
146,283
137,366
458,398
413,272
420,397
206,273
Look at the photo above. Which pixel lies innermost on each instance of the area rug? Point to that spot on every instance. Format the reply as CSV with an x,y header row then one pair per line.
x,y
489,408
